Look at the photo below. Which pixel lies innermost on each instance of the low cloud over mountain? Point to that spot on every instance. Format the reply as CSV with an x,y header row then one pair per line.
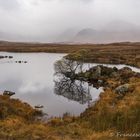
x,y
70,20
113,32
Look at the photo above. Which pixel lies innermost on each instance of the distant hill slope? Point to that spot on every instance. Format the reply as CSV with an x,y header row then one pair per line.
x,y
113,32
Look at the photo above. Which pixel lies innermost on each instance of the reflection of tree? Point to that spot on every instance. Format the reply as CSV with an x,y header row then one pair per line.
x,y
73,90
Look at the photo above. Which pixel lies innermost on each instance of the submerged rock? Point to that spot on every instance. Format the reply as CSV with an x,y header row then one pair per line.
x,y
20,62
10,57
39,106
1,57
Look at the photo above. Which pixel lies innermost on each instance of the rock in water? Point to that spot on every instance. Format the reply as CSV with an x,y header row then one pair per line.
x,y
8,93
39,106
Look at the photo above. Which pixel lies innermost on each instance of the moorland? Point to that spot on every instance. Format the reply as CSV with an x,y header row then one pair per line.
x,y
114,116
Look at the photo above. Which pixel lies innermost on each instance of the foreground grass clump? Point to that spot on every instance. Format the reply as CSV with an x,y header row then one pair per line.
x,y
19,121
14,107
110,112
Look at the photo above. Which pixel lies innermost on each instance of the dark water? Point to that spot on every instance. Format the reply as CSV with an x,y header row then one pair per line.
x,y
34,83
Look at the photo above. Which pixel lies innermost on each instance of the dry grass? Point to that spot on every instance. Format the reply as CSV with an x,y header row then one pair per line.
x,y
124,53
99,122
108,116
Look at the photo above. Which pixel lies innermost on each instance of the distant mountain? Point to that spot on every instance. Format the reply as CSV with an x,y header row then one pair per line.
x,y
87,32
66,36
87,35
112,32
116,31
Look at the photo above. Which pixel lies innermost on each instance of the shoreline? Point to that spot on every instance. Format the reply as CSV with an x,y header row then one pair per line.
x,y
88,125
118,103
114,53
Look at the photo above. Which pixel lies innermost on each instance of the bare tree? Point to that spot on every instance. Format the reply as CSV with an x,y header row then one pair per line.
x,y
68,68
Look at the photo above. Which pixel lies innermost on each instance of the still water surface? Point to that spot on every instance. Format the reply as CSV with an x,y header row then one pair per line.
x,y
35,84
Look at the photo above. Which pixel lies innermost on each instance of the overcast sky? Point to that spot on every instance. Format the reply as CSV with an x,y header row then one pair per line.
x,y
43,20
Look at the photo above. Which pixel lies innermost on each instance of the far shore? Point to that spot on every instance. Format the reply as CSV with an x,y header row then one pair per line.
x,y
113,53
64,48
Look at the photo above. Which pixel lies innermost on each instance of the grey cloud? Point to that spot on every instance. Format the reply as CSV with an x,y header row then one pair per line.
x,y
51,20
9,4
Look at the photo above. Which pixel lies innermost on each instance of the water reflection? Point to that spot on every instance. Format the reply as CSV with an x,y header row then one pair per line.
x,y
73,90
33,82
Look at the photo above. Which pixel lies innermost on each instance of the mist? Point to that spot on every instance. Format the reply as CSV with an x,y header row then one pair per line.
x,y
69,20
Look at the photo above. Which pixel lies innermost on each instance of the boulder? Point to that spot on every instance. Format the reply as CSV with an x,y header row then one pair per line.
x,y
126,69
114,74
100,82
123,89
98,71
